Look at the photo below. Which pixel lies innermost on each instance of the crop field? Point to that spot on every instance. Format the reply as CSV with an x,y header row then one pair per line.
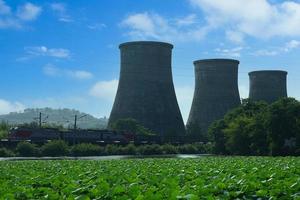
x,y
169,178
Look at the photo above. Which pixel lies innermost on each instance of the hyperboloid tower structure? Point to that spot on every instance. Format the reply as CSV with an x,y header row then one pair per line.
x,y
146,91
216,91
267,85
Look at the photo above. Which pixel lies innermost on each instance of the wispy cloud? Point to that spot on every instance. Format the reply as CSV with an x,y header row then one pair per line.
x,y
28,12
287,47
7,107
61,12
256,18
25,13
187,21
45,51
105,90
4,8
233,52
97,26
52,70
153,26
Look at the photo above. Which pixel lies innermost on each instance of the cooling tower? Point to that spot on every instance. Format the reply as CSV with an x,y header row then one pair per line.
x,y
267,85
216,91
146,91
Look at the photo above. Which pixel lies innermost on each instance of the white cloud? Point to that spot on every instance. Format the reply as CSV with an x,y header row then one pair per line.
x,y
60,10
10,23
7,107
265,52
187,21
234,52
287,47
58,7
97,26
44,51
293,44
244,91
257,18
105,90
4,9
80,74
28,12
52,70
153,26
235,37
184,96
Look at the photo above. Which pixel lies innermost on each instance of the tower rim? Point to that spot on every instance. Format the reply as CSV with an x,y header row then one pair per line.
x,y
154,43
221,60
268,72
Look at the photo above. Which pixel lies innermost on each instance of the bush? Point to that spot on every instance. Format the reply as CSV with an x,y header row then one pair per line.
x,y
55,148
6,153
188,149
111,149
85,149
153,149
27,149
130,149
169,149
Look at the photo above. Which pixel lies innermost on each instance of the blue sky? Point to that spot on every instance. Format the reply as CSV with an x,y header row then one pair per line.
x,y
65,53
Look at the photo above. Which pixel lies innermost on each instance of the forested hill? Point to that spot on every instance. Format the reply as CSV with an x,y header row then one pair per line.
x,y
64,117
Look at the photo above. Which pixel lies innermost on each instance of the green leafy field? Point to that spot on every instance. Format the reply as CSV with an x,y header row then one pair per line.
x,y
201,178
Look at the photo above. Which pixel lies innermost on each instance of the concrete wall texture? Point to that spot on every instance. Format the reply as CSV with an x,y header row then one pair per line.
x,y
216,91
146,91
267,85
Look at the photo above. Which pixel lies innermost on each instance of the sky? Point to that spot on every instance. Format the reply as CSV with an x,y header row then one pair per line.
x,y
64,54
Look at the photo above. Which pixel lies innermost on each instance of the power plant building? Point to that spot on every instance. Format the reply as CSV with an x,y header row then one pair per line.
x,y
267,85
146,91
216,91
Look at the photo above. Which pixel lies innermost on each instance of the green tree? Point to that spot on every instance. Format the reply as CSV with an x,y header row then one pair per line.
x,y
237,136
55,148
242,131
4,129
27,149
131,126
195,134
284,126
217,136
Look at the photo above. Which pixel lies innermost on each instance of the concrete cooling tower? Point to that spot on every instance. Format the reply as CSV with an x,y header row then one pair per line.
x,y
216,91
267,85
146,91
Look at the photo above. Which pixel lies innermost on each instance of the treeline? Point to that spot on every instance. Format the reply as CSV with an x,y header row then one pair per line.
x,y
257,128
60,148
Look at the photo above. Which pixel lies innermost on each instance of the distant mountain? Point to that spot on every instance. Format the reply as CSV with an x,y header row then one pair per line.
x,y
64,117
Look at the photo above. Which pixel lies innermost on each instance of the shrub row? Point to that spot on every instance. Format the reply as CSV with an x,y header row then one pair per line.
x,y
60,148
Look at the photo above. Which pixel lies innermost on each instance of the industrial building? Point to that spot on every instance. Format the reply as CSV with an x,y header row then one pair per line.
x,y
146,91
216,91
267,85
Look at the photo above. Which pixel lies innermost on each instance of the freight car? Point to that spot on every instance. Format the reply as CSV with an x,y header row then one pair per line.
x,y
43,135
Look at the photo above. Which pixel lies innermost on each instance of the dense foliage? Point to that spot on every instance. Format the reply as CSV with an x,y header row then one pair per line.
x,y
55,148
203,178
132,126
4,128
60,148
257,128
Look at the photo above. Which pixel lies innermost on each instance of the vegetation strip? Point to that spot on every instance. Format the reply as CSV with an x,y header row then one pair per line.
x,y
203,178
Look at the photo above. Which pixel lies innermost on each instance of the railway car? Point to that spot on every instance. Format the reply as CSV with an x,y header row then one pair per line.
x,y
43,135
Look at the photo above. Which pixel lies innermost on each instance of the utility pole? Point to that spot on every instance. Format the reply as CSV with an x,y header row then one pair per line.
x,y
40,120
75,127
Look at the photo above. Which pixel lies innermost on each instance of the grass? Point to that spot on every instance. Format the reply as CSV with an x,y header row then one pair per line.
x,y
201,178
